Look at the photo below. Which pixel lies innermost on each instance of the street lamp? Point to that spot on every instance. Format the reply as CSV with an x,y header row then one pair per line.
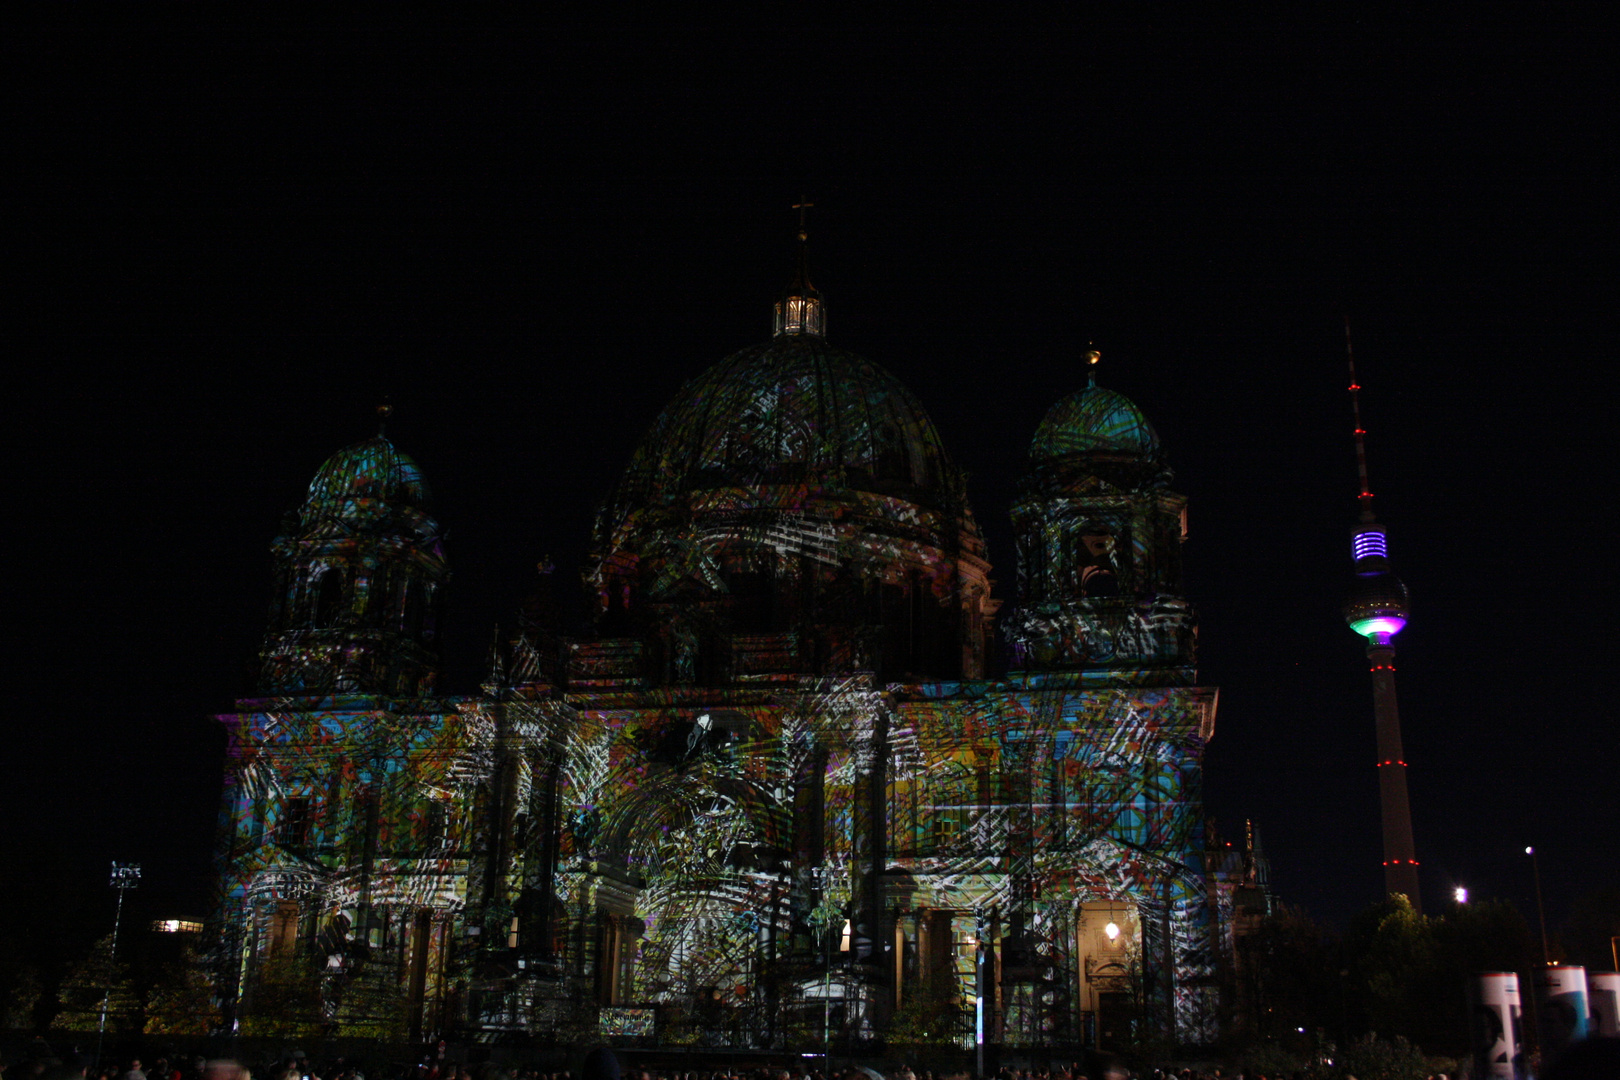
x,y
827,917
1541,909
979,988
1460,894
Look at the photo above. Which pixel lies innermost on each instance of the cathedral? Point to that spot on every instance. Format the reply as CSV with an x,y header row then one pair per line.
x,y
798,782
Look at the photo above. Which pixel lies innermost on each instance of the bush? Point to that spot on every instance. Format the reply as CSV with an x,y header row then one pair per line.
x,y
284,1000
182,1000
96,979
1372,1058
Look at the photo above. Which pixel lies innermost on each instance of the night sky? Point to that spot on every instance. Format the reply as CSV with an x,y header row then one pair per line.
x,y
229,243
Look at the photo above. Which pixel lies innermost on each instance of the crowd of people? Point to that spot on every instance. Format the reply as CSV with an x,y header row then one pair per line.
x,y
601,1064
41,1063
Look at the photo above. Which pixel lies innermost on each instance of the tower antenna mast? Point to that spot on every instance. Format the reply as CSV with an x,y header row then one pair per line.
x,y
1365,493
1377,610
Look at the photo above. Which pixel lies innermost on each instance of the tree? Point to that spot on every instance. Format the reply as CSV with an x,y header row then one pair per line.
x,y
927,1027
284,999
182,1000
1392,957
1288,976
93,980
1595,921
1489,935
371,1005
22,1003
929,1015
1409,973
1372,1058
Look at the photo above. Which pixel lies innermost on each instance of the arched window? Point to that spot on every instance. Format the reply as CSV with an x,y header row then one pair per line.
x,y
751,594
379,596
362,820
430,613
295,826
329,597
284,928
411,615
893,463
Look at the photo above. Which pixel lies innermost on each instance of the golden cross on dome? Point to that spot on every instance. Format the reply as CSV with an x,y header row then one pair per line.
x,y
801,206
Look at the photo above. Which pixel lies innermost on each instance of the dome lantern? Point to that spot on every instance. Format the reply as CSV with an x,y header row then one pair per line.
x,y
800,310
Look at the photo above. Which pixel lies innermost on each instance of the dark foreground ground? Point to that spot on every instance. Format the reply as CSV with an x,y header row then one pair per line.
x,y
74,1057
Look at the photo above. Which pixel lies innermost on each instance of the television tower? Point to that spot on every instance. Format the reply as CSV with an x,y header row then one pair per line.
x,y
1377,610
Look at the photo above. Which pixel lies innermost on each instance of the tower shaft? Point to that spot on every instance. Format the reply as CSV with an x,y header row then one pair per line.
x,y
1400,853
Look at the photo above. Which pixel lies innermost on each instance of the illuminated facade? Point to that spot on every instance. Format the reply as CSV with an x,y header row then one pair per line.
x,y
781,791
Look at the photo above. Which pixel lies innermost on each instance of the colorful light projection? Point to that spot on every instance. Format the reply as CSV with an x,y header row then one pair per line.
x,y
793,512
717,856
360,573
773,788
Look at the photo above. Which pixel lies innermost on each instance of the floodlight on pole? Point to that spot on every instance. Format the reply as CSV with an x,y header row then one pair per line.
x,y
124,876
1460,894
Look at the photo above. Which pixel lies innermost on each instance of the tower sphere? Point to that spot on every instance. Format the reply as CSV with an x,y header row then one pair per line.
x,y
1377,604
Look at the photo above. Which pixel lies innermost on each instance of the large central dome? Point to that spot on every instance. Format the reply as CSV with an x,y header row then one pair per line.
x,y
791,512
792,411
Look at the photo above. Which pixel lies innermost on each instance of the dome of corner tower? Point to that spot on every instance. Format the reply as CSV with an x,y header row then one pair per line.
x,y
1094,421
372,469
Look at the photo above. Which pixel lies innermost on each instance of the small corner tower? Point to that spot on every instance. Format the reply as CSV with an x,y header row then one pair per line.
x,y
1377,610
1099,537
360,574
337,829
